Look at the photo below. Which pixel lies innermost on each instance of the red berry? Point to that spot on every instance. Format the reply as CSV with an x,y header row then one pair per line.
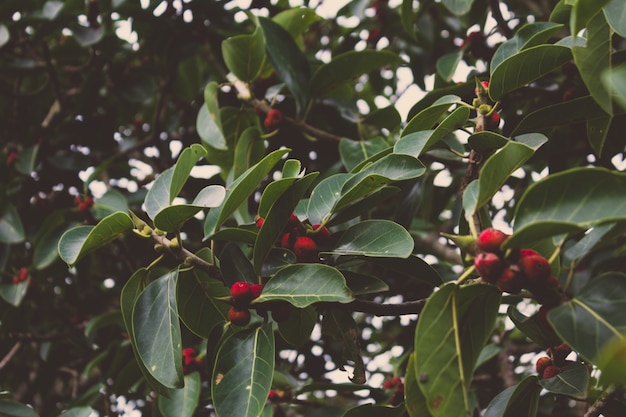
x,y
16,280
542,364
485,85
490,240
489,266
89,202
256,289
11,158
494,120
238,317
273,119
510,280
189,352
559,353
293,222
23,274
241,293
288,239
550,372
259,222
535,268
305,249
322,236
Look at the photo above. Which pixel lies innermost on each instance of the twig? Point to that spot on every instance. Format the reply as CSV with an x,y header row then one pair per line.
x,y
370,307
187,256
9,355
494,5
596,408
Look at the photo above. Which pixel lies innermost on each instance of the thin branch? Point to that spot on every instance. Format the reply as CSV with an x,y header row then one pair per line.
x,y
494,5
186,256
370,307
596,408
9,355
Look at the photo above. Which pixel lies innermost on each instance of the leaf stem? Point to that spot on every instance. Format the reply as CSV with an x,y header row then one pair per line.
x,y
466,275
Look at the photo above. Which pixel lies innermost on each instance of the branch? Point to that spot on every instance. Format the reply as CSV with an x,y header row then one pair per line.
x,y
185,256
9,355
370,307
494,5
596,408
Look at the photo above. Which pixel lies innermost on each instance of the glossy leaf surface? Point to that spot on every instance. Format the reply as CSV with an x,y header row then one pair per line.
x,y
379,238
182,402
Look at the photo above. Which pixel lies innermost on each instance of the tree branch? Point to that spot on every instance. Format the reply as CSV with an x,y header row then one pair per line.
x,y
185,256
596,408
370,307
494,5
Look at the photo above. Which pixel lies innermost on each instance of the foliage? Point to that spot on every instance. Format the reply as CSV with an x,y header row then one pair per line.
x,y
154,153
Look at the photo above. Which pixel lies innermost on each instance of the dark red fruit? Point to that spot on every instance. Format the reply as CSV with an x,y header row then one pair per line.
x,y
256,289
494,120
322,236
289,239
238,317
189,352
559,353
550,372
305,249
485,84
241,293
542,364
259,222
553,283
535,268
23,274
273,119
293,222
489,266
510,280
490,240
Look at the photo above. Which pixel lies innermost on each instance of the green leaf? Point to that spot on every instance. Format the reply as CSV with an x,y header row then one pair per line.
x,y
11,408
428,117
27,159
573,381
290,63
243,372
451,332
272,192
413,267
78,412
79,241
615,80
526,66
612,362
415,144
236,266
447,64
597,131
616,16
304,284
4,35
110,202
594,59
156,330
385,118
209,129
339,324
196,298
11,229
297,328
520,400
414,399
349,66
186,161
361,284
498,168
485,142
354,152
14,293
244,55
86,36
572,200
531,34
594,316
249,150
296,20
324,196
379,238
158,196
182,402
239,191
583,11
533,328
172,218
372,410
458,7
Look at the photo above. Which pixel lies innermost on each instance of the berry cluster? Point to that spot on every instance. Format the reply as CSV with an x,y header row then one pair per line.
x,y
515,270
84,204
21,276
550,366
273,119
191,361
241,294
396,385
303,241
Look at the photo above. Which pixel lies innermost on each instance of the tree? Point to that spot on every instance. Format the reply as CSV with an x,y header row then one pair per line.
x,y
209,211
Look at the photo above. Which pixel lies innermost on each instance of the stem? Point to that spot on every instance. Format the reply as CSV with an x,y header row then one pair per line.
x,y
596,408
466,275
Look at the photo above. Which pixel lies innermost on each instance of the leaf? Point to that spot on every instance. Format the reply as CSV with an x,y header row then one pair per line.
x,y
297,328
348,66
615,81
339,324
597,131
458,7
47,246
612,362
26,161
4,35
414,399
157,331
243,372
11,228
324,196
533,328
244,54
158,196
485,142
517,401
209,129
296,20
583,11
78,412
451,332
447,64
379,238
594,59
290,63
186,161
182,402
526,66
372,410
427,118
498,168
86,36
361,284
79,241
573,381
385,118
14,293
572,200
172,218
11,408
593,317
272,192
112,201
413,266
616,16
354,152
304,284
531,34
239,191
198,307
